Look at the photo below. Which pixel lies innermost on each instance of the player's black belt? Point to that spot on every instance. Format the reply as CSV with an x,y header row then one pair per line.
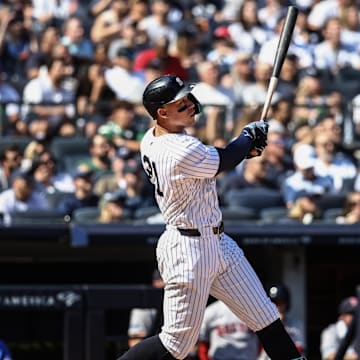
x,y
195,232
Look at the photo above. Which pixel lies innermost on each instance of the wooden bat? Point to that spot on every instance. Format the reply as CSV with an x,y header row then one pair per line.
x,y
281,51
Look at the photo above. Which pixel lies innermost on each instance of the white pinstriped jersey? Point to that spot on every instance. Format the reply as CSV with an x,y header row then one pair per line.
x,y
183,171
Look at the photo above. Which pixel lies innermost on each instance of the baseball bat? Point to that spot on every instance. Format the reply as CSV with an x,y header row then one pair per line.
x,y
281,51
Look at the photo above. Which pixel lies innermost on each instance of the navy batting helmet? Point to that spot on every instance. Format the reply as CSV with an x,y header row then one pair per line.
x,y
165,90
280,292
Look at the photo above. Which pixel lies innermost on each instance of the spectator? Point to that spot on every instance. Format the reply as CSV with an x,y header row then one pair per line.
x,y
122,128
281,297
350,213
303,51
350,34
74,38
114,181
304,178
224,53
107,25
224,336
160,51
247,32
304,210
332,54
241,74
217,100
270,13
332,162
47,96
21,197
39,56
4,351
47,178
281,118
121,73
83,195
332,336
278,161
322,11
113,208
15,42
253,174
14,125
100,153
10,161
311,100
157,24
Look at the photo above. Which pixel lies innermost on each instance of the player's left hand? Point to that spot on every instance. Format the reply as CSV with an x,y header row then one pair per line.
x,y
257,148
256,130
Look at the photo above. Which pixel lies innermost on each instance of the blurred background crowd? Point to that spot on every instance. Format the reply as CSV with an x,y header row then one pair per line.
x,y
72,74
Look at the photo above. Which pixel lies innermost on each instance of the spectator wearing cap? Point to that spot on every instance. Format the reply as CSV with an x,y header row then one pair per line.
x,y
121,79
20,197
15,124
47,96
83,195
113,207
332,335
223,53
304,178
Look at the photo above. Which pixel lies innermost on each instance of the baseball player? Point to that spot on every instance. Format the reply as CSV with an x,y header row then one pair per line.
x,y
195,256
224,336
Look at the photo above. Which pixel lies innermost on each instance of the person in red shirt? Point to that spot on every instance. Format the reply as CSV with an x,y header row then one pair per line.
x,y
169,64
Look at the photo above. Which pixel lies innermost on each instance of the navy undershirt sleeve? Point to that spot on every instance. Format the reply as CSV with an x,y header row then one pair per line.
x,y
234,153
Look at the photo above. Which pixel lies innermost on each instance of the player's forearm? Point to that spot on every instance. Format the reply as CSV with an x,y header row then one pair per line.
x,y
234,153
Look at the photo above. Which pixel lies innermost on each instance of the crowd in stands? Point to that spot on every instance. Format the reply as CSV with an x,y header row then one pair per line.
x,y
72,74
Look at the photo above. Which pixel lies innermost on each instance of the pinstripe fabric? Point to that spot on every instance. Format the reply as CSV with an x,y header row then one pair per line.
x,y
182,170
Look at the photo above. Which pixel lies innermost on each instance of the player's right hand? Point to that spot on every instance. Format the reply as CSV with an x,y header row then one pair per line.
x,y
256,130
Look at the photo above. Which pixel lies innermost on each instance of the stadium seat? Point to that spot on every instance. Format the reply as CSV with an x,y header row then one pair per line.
x,y
255,199
39,217
20,141
273,214
87,214
232,215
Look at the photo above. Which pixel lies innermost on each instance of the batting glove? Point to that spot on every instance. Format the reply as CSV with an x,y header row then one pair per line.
x,y
256,130
257,148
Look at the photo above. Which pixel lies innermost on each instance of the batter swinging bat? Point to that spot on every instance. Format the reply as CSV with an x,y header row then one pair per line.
x,y
281,51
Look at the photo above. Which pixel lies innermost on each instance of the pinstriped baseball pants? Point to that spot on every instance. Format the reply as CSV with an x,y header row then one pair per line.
x,y
193,268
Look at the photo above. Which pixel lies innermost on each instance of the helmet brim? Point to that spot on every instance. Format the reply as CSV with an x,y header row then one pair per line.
x,y
182,93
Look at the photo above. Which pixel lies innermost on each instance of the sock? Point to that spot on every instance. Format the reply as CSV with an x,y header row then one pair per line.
x,y
277,342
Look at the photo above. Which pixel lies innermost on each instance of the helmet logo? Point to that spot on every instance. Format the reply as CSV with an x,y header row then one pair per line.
x,y
179,81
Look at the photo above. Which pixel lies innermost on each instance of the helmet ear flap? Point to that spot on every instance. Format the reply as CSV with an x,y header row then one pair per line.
x,y
196,102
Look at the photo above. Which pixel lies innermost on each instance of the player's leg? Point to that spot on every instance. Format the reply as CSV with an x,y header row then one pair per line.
x,y
149,349
186,265
238,286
